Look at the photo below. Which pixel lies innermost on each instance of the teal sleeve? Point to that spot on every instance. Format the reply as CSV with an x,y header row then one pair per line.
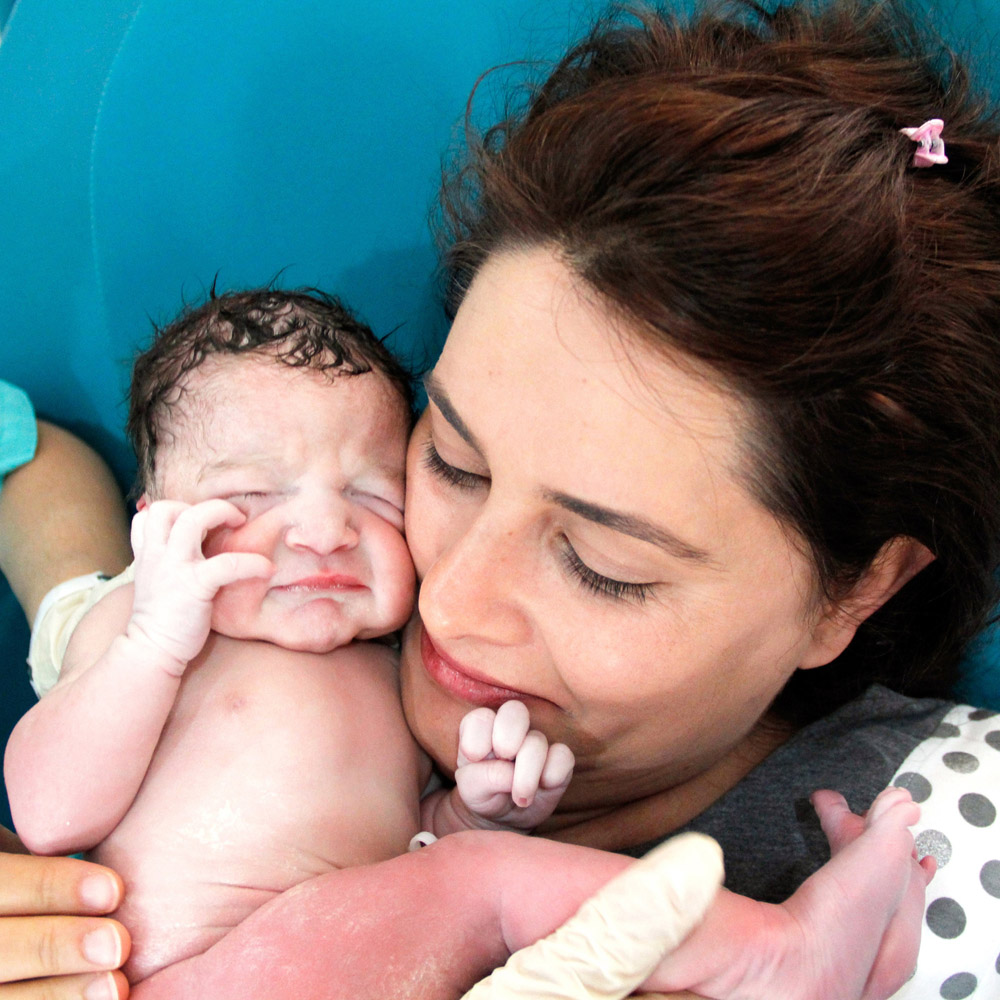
x,y
18,431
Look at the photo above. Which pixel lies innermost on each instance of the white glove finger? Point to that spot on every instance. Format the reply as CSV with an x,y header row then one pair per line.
x,y
485,787
475,736
528,767
619,935
558,768
193,524
229,567
510,728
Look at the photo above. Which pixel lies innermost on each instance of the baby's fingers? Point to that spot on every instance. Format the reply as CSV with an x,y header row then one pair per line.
x,y
475,736
484,734
510,729
528,767
485,787
181,526
558,768
193,524
230,567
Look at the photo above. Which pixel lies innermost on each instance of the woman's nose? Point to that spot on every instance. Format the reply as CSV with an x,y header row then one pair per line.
x,y
322,525
478,587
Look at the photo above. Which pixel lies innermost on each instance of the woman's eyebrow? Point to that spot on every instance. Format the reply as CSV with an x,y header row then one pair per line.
x,y
630,524
437,395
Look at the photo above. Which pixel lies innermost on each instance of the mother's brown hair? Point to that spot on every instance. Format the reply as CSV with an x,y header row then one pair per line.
x,y
737,188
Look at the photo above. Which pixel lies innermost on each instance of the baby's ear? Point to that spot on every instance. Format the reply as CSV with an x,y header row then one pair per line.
x,y
897,562
143,502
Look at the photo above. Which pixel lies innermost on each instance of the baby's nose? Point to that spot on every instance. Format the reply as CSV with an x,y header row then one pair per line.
x,y
322,525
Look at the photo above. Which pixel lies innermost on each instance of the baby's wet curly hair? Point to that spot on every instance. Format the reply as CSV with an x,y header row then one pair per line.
x,y
303,328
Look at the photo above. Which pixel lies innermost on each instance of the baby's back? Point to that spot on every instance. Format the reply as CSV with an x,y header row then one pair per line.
x,y
274,766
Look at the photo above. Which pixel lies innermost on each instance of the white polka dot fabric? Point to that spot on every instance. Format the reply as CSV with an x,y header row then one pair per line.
x,y
955,776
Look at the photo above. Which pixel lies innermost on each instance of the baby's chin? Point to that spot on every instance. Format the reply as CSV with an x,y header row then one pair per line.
x,y
297,642
319,627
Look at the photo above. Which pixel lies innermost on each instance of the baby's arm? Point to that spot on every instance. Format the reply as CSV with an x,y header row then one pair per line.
x,y
508,776
75,761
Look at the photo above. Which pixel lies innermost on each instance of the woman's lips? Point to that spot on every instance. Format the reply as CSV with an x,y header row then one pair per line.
x,y
447,674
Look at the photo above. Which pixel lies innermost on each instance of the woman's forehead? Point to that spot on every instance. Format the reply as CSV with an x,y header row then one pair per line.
x,y
530,333
551,388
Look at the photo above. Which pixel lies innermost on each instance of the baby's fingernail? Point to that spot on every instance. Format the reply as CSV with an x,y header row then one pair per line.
x,y
102,947
101,988
99,892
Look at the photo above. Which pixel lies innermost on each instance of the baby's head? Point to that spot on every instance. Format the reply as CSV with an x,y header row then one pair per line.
x,y
287,406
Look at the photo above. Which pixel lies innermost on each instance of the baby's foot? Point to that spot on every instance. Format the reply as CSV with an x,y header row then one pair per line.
x,y
852,929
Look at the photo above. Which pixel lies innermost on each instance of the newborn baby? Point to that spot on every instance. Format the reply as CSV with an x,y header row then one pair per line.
x,y
227,725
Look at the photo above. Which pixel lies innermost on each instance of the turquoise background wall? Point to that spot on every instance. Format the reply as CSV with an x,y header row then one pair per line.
x,y
148,147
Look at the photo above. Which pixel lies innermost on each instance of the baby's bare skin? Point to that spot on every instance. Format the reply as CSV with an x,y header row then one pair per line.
x,y
274,766
219,732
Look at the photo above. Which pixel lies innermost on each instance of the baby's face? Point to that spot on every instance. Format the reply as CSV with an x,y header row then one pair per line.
x,y
317,466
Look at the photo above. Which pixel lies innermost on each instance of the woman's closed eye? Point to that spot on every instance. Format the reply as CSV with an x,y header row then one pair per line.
x,y
450,474
603,586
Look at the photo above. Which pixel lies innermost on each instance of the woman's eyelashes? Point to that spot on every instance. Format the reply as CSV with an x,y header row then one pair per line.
x,y
450,474
594,582
603,586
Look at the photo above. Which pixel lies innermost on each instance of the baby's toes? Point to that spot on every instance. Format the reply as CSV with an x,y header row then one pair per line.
x,y
892,807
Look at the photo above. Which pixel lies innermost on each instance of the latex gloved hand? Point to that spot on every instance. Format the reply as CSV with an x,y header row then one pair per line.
x,y
619,936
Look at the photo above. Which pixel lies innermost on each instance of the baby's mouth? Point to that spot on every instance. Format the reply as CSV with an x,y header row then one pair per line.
x,y
320,582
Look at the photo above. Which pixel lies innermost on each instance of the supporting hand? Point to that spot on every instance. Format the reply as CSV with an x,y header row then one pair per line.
x,y
53,943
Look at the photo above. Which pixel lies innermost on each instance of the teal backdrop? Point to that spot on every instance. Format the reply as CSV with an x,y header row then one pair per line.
x,y
151,147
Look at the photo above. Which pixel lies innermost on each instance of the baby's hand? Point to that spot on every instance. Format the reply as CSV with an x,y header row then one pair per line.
x,y
174,583
507,772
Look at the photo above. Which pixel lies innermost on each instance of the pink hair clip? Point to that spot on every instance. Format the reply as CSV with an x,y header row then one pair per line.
x,y
930,145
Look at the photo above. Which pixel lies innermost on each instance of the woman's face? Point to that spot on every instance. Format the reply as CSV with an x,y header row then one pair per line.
x,y
586,544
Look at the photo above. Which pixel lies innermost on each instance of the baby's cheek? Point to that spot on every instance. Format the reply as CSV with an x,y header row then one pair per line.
x,y
399,582
216,541
254,536
234,607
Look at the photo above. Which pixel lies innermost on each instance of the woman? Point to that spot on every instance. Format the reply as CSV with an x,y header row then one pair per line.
x,y
712,445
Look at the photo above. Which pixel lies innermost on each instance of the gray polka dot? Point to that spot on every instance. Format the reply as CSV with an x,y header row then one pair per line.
x,y
996,965
916,784
933,842
959,986
981,713
993,739
946,730
976,809
945,918
964,763
989,877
